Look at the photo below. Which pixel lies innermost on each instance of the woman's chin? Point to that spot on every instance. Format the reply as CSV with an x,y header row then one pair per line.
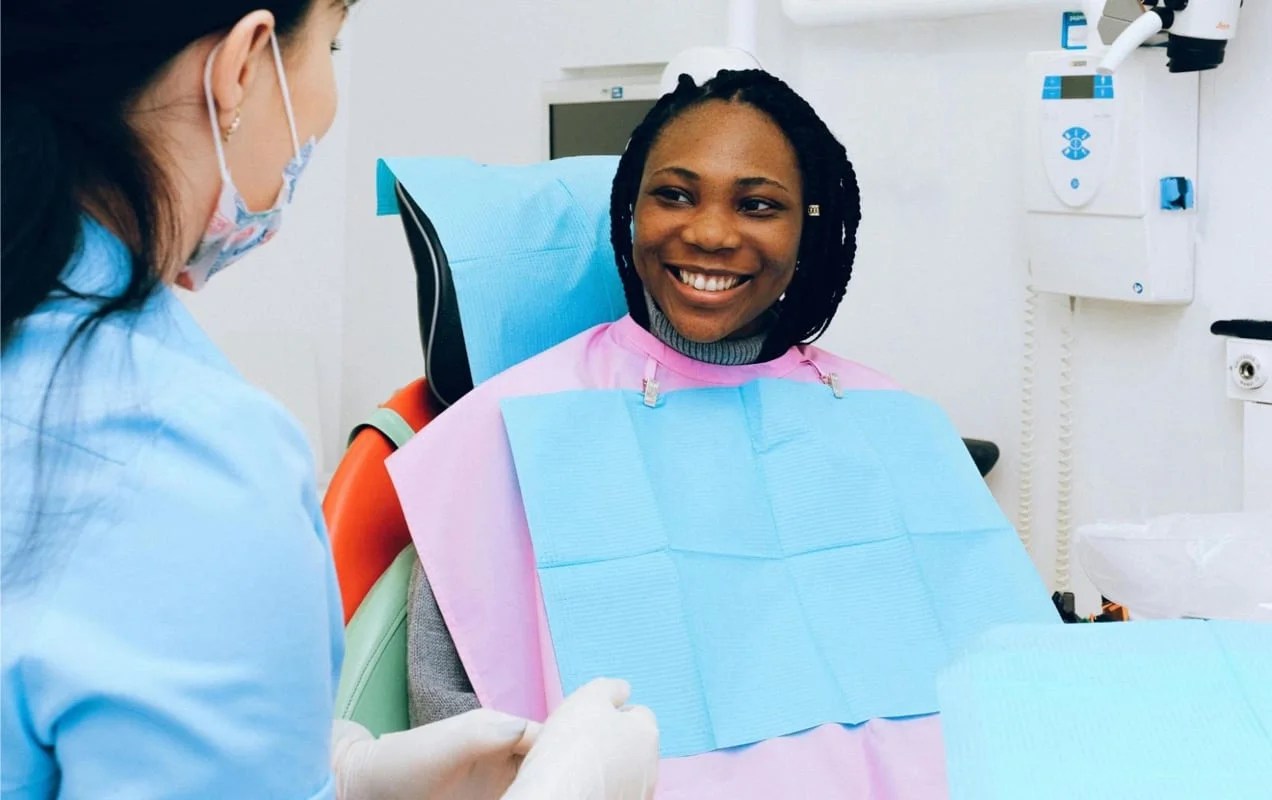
x,y
699,330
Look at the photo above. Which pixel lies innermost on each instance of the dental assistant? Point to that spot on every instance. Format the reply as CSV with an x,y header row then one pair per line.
x,y
171,622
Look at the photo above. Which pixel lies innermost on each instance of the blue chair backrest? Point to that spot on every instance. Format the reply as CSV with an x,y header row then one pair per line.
x,y
518,257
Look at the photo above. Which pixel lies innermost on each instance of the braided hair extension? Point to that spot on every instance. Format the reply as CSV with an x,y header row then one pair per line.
x,y
829,240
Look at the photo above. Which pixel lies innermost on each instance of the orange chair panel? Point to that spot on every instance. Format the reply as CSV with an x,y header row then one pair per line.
x,y
361,508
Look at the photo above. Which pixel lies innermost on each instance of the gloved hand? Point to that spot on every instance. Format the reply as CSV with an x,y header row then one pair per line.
x,y
592,748
473,756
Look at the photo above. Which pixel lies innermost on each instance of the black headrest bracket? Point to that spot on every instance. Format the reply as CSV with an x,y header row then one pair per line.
x,y
446,366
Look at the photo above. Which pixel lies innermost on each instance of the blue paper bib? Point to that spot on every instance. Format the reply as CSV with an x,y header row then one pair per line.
x,y
764,559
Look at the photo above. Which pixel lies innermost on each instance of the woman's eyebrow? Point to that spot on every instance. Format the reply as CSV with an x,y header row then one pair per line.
x,y
761,181
687,174
690,175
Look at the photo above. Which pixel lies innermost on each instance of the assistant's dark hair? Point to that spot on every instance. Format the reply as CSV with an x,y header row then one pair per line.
x,y
70,71
829,240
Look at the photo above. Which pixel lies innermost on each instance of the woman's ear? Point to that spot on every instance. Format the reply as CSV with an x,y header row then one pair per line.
x,y
236,63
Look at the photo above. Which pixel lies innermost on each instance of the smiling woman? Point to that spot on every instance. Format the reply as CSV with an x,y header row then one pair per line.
x,y
734,214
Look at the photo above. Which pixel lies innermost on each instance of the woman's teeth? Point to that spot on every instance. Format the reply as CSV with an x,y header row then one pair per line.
x,y
707,283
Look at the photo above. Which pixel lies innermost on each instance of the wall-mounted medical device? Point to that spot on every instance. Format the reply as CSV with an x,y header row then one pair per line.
x,y
1197,31
595,115
1111,177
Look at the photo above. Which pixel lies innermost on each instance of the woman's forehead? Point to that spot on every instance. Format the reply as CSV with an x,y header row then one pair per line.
x,y
725,139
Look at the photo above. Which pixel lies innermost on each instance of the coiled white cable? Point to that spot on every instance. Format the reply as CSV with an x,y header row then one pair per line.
x,y
1064,457
1024,513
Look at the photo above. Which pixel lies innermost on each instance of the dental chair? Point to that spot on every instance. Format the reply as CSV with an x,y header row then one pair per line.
x,y
370,540
373,554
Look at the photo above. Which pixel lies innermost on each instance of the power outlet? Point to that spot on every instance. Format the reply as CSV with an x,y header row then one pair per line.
x,y
1250,370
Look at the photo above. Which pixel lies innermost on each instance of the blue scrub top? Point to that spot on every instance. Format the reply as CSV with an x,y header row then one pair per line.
x,y
171,621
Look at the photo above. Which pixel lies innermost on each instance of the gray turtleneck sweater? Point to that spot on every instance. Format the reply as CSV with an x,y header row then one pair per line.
x,y
726,352
439,686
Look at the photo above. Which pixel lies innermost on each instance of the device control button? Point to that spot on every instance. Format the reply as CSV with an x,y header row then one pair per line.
x,y
1051,82
1104,93
1077,150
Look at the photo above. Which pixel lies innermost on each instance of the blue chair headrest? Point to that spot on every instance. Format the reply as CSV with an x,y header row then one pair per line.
x,y
518,258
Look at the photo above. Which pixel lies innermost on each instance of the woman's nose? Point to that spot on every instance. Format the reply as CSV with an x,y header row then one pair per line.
x,y
711,229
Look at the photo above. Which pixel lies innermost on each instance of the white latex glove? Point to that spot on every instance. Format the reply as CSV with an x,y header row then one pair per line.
x,y
473,756
592,748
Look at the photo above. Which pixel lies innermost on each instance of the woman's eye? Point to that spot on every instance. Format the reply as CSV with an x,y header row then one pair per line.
x,y
336,45
757,205
672,195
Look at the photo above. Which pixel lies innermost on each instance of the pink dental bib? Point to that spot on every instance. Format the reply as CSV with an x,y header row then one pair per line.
x,y
461,499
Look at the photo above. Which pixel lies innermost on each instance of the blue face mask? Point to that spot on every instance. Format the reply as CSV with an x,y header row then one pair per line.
x,y
234,229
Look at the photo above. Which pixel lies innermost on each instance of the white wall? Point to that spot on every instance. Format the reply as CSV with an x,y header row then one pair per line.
x,y
930,114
